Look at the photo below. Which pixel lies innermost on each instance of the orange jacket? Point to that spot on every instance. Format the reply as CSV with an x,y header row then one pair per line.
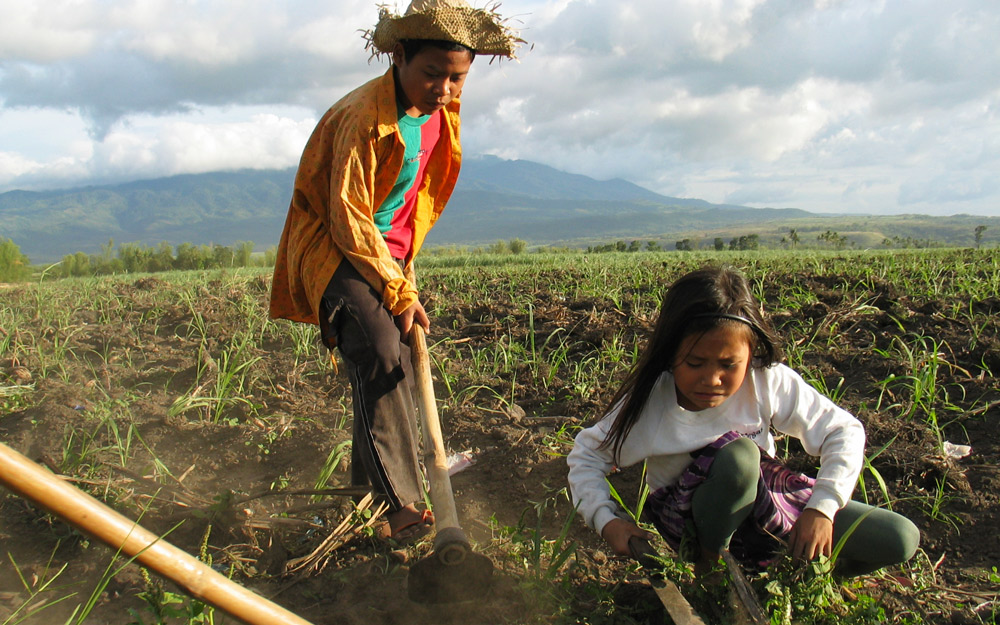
x,y
348,167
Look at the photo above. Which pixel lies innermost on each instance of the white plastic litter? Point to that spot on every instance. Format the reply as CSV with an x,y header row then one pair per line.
x,y
956,451
460,461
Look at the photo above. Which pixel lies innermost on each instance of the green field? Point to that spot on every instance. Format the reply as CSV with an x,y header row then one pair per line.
x,y
172,397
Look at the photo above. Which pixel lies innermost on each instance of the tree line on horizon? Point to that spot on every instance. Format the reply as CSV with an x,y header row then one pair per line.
x,y
140,258
135,258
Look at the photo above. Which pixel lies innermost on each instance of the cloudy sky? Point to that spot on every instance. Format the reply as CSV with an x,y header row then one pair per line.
x,y
864,106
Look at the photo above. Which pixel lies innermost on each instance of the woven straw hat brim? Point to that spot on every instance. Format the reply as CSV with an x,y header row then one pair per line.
x,y
478,29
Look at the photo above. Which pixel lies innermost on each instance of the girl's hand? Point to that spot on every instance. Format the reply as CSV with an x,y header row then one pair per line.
x,y
811,536
618,531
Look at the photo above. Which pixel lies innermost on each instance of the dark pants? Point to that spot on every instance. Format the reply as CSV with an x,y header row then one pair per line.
x,y
384,450
726,498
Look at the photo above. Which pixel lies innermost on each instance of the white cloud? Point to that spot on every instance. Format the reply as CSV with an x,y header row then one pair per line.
x,y
754,123
833,105
42,32
155,146
721,27
949,187
14,166
263,141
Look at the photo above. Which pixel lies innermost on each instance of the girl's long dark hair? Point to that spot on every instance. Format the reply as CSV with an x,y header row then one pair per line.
x,y
694,304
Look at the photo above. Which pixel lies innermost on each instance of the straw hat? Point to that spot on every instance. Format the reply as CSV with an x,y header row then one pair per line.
x,y
483,30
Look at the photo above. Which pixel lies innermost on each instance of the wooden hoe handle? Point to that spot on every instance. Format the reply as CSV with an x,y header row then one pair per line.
x,y
435,457
27,479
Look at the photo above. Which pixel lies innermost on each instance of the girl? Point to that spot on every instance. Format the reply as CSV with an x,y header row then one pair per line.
x,y
699,406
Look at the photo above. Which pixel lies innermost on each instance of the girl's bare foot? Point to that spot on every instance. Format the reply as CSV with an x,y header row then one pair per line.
x,y
708,569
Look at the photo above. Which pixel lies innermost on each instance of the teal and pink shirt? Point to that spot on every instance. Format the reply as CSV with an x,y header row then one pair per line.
x,y
420,135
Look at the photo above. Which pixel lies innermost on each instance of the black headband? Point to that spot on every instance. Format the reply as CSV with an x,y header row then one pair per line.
x,y
753,325
725,316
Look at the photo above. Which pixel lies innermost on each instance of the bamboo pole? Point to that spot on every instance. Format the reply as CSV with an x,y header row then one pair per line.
x,y
27,479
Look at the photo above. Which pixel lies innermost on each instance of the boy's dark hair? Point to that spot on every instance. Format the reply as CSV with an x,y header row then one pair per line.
x,y
412,47
696,303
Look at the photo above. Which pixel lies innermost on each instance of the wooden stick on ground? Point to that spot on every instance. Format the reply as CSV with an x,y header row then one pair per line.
x,y
669,594
747,597
32,482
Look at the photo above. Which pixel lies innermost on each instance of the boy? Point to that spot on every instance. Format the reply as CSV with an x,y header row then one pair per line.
x,y
373,178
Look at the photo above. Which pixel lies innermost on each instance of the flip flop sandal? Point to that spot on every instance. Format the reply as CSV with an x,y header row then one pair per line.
x,y
411,532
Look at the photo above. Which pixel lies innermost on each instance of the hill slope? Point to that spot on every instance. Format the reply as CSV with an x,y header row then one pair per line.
x,y
495,200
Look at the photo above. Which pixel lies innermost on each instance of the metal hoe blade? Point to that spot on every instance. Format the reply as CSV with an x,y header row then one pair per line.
x,y
438,579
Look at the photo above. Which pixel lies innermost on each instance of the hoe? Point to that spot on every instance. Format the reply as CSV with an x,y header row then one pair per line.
x,y
452,573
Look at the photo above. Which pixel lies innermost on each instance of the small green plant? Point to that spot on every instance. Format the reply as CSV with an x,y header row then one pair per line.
x,y
542,560
936,503
337,454
229,387
14,397
835,393
808,593
920,389
641,496
556,552
558,442
36,600
166,608
870,469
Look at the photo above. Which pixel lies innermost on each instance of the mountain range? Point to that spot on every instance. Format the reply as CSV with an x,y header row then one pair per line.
x,y
495,199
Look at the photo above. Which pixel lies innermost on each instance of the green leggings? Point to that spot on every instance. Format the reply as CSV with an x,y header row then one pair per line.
x,y
725,499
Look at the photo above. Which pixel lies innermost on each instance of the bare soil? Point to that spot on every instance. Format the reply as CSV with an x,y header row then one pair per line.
x,y
225,489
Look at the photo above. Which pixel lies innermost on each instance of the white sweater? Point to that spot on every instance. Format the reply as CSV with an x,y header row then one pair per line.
x,y
666,433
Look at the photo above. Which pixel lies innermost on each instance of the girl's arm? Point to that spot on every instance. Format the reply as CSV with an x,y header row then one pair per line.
x,y
825,430
589,464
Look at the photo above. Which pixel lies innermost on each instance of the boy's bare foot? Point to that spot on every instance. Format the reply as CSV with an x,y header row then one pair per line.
x,y
402,517
406,524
